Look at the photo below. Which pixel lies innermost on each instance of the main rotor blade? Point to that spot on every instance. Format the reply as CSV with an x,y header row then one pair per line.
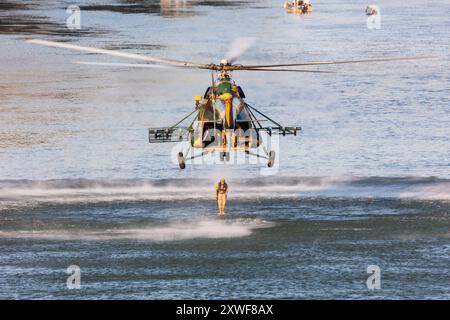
x,y
119,54
315,63
131,65
238,48
283,70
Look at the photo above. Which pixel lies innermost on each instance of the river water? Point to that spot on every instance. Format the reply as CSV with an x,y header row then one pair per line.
x,y
367,182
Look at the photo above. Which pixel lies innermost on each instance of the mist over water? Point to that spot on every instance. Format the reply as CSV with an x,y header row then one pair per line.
x,y
205,228
24,192
366,182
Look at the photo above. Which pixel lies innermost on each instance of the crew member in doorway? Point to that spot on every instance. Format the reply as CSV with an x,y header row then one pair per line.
x,y
221,195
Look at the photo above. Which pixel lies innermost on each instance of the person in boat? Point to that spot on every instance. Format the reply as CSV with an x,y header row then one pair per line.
x,y
371,10
221,195
306,5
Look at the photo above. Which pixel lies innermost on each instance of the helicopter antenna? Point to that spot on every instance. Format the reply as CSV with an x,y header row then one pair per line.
x,y
212,81
212,100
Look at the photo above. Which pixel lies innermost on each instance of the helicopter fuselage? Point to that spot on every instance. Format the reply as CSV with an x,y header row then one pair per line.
x,y
223,118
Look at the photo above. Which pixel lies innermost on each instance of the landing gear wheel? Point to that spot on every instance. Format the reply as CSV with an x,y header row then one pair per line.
x,y
271,159
224,156
181,160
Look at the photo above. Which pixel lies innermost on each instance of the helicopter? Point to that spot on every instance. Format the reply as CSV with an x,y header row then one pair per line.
x,y
222,121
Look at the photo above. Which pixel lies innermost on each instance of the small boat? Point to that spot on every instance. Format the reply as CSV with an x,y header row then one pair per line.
x,y
372,10
298,6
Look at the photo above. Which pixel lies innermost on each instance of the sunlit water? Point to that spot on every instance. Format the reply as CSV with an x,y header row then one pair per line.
x,y
366,183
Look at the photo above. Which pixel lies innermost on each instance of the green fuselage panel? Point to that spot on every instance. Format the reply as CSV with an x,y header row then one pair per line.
x,y
224,87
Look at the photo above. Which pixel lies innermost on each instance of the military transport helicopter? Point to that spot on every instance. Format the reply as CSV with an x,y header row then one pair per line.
x,y
223,121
